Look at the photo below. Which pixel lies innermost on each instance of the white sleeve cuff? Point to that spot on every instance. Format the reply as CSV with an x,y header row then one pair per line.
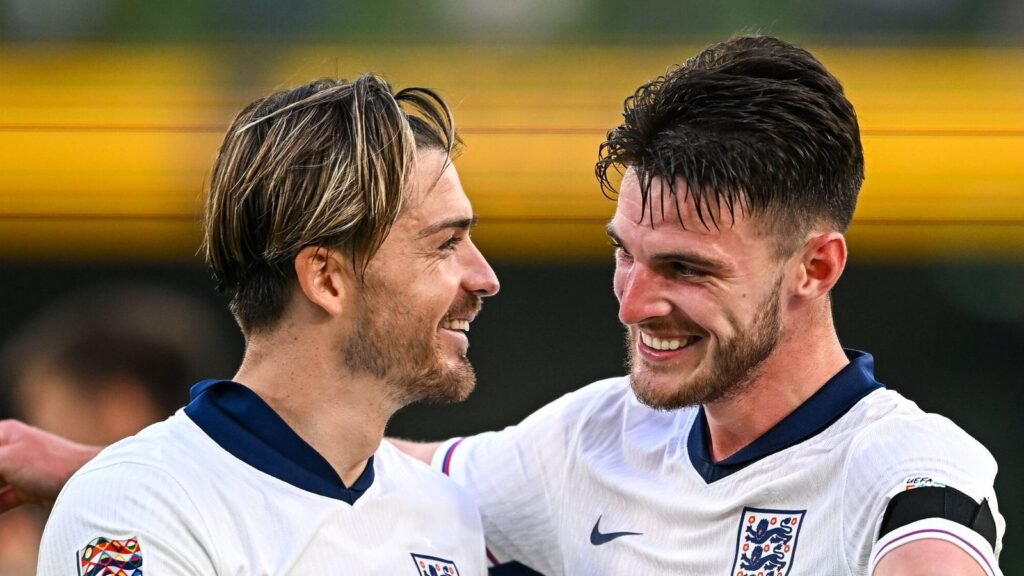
x,y
939,529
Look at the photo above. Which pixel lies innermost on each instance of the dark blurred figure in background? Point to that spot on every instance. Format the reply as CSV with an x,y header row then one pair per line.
x,y
97,366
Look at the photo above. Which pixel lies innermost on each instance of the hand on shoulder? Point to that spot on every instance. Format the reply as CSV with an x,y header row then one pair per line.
x,y
35,464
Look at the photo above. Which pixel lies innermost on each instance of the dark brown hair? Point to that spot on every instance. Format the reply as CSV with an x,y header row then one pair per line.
x,y
752,122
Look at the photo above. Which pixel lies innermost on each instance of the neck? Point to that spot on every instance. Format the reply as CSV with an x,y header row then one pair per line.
x,y
341,416
780,387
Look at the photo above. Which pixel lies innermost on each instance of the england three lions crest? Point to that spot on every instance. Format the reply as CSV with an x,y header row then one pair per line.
x,y
434,566
766,543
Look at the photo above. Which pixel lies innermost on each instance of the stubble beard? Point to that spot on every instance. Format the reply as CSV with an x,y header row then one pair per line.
x,y
728,372
400,347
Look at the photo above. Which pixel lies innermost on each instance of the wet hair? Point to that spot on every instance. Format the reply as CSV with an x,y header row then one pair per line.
x,y
753,122
325,164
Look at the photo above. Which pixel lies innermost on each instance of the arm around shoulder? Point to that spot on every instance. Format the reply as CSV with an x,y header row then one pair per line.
x,y
35,465
519,476
422,451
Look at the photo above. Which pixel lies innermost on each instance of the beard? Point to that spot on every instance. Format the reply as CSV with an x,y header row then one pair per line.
x,y
728,370
399,346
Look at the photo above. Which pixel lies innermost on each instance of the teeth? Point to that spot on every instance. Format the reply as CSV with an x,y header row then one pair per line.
x,y
462,325
664,343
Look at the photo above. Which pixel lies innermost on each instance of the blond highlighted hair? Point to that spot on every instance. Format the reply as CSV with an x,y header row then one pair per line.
x,y
325,164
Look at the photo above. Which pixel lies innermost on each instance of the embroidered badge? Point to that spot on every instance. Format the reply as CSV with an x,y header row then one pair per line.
x,y
766,543
434,566
105,557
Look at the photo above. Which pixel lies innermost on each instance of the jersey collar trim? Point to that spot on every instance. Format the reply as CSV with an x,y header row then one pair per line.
x,y
821,410
238,420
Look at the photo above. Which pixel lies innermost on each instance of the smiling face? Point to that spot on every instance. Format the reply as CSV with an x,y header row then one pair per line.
x,y
702,306
421,291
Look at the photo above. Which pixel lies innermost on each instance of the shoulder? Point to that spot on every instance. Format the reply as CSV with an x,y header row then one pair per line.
x,y
140,491
408,475
597,418
553,424
557,426
392,464
916,475
544,436
895,434
422,489
158,471
173,448
602,399
897,449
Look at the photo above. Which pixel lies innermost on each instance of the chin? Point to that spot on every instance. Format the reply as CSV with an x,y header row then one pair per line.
x,y
661,393
444,383
449,394
461,393
460,379
674,389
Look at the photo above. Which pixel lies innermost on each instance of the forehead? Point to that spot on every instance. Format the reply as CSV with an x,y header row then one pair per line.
x,y
434,192
668,217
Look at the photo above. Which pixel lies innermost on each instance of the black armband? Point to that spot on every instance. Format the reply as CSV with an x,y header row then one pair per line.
x,y
939,502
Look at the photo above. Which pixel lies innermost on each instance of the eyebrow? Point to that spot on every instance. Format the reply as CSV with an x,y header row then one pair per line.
x,y
698,260
457,222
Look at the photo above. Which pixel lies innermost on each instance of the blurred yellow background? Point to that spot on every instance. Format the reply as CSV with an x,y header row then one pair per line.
x,y
106,149
111,112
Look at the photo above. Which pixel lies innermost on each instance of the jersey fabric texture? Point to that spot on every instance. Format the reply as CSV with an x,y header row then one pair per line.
x,y
597,483
226,487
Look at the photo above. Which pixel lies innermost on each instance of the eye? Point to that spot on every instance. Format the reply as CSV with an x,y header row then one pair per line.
x,y
451,243
620,250
683,270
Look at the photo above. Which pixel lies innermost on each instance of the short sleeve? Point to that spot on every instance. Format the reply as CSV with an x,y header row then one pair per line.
x,y
906,453
134,517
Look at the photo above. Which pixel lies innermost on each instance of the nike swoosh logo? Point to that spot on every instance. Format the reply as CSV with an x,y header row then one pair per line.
x,y
597,537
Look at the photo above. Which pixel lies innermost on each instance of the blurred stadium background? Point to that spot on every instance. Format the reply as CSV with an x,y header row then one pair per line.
x,y
111,110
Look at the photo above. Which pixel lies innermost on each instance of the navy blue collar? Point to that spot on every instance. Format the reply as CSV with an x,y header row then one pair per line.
x,y
240,421
828,404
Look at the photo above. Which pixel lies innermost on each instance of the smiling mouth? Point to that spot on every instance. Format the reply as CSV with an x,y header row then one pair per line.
x,y
458,325
666,344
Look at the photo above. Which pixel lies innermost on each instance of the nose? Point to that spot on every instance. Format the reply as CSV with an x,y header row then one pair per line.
x,y
640,294
480,278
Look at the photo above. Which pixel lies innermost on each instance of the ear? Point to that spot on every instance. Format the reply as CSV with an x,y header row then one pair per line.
x,y
323,278
822,261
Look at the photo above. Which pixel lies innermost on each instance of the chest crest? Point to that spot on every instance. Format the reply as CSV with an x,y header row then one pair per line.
x,y
766,542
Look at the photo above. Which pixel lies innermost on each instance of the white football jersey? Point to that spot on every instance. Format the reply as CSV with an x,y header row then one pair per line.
x,y
597,483
226,487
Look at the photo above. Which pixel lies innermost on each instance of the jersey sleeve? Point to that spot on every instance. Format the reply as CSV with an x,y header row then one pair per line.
x,y
125,518
516,478
953,475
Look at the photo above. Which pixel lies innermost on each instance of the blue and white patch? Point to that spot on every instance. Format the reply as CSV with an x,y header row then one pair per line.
x,y
434,566
766,543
